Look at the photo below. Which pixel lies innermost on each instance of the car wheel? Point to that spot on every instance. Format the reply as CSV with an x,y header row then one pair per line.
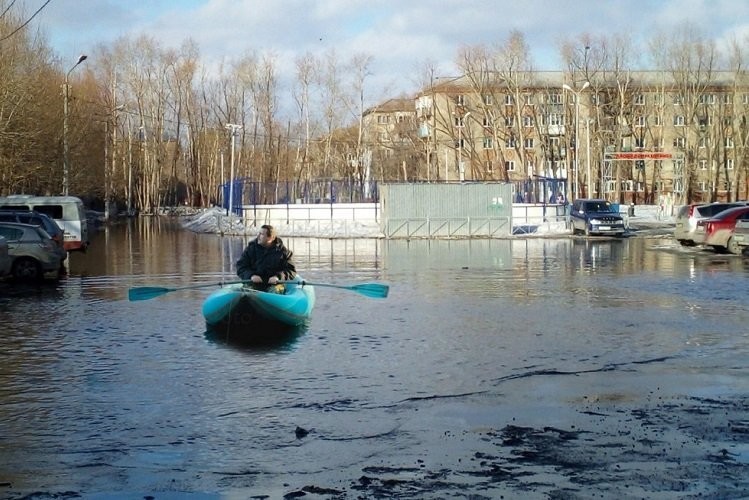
x,y
733,247
27,268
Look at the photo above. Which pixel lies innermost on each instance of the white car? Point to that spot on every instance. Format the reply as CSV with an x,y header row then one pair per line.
x,y
5,260
32,251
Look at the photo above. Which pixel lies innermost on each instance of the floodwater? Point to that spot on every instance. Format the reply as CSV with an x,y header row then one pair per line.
x,y
538,367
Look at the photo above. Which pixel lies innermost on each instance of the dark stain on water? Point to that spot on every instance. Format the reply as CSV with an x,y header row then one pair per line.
x,y
552,368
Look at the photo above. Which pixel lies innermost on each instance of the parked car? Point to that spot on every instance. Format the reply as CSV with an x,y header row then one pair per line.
x,y
719,230
5,261
686,232
741,234
32,251
593,216
38,219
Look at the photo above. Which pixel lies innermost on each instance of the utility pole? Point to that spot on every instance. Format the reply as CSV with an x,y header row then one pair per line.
x,y
234,129
576,172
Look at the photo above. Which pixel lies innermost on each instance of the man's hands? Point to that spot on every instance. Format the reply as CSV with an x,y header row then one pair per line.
x,y
257,279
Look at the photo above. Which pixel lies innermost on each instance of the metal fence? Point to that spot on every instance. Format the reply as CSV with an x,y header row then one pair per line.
x,y
249,192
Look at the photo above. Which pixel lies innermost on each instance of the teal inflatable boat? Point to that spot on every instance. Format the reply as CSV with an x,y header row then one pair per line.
x,y
239,305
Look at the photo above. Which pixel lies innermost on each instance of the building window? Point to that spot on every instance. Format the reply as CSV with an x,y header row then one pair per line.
x,y
658,143
657,121
554,98
707,99
510,165
745,99
679,142
488,99
383,119
487,142
703,164
640,100
509,121
528,143
658,99
726,98
639,142
528,99
729,142
489,166
509,100
556,119
702,143
678,120
677,100
595,99
727,121
554,143
511,142
527,121
703,186
729,163
458,121
640,121
487,122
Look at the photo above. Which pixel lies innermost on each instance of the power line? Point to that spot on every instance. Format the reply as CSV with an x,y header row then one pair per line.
x,y
27,21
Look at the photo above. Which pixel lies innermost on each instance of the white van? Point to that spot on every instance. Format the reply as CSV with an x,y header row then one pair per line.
x,y
67,211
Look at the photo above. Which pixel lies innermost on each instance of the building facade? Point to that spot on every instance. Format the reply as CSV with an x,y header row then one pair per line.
x,y
632,137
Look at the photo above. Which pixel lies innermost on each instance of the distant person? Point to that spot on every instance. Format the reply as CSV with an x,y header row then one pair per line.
x,y
266,261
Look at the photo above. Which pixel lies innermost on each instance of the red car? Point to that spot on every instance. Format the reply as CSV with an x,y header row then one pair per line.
x,y
719,229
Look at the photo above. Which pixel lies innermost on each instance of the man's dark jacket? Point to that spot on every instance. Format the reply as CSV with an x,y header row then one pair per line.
x,y
266,262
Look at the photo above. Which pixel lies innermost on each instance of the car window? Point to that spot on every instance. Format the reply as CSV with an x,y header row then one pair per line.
x,y
710,210
54,211
11,233
597,206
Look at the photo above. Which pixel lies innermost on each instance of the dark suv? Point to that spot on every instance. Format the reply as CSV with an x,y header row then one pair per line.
x,y
38,219
591,216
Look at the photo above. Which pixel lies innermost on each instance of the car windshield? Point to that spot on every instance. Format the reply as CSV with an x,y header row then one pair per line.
x,y
597,206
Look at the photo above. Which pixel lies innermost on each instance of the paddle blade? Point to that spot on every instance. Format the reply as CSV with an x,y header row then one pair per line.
x,y
146,292
374,290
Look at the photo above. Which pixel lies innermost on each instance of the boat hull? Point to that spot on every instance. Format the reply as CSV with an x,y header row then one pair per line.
x,y
239,306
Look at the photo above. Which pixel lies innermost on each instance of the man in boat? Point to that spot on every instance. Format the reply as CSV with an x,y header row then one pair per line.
x,y
266,261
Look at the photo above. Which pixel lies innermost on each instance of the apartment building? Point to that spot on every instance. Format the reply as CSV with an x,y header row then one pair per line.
x,y
630,136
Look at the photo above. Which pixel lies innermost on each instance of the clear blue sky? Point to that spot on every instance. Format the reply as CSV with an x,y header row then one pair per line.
x,y
400,34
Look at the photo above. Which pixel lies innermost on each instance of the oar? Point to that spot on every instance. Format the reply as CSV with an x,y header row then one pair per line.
x,y
151,292
374,290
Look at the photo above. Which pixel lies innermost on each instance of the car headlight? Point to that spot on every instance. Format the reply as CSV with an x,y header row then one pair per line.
x,y
596,221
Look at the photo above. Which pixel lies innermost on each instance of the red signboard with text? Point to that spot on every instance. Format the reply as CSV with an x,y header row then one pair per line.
x,y
639,155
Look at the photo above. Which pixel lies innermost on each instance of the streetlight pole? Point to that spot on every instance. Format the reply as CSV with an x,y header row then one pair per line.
x,y
65,147
587,156
234,129
576,173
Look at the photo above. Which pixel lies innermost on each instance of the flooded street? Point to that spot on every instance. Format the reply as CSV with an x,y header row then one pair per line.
x,y
549,368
